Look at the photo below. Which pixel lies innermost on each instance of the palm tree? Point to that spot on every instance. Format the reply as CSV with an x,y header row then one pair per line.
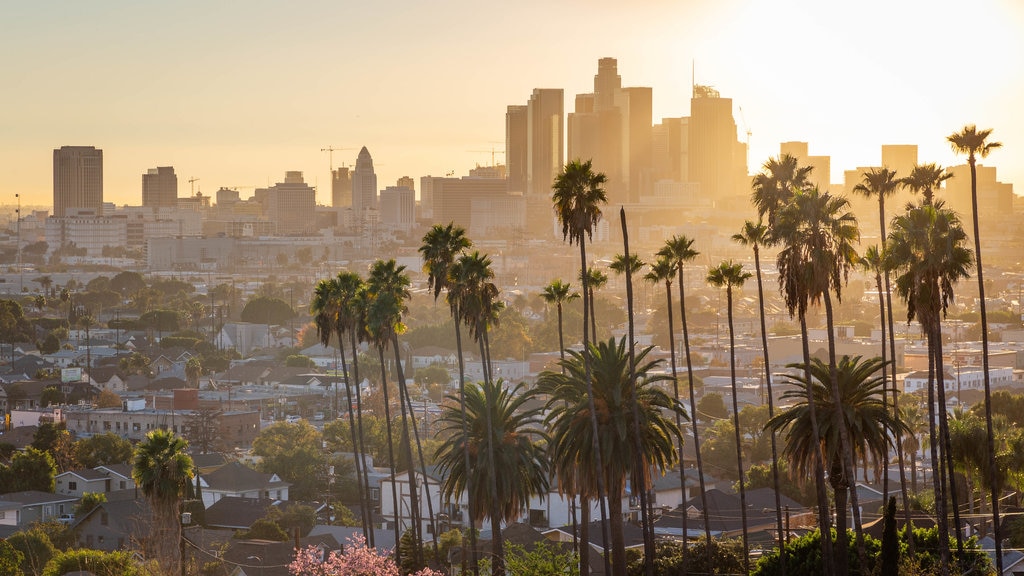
x,y
602,379
578,194
162,469
755,235
731,275
774,186
863,413
973,142
926,179
663,270
388,290
193,370
596,279
559,293
913,418
479,306
925,248
440,248
86,321
618,264
505,433
678,250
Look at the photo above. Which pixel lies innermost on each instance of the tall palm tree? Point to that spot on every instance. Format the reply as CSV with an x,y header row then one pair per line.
x,y
926,179
880,183
162,469
604,375
818,233
755,235
730,275
774,186
914,419
663,270
596,279
479,306
679,251
925,249
506,434
559,293
388,290
975,144
578,193
441,246
863,413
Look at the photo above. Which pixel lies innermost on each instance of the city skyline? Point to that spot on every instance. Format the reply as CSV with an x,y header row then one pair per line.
x,y
203,89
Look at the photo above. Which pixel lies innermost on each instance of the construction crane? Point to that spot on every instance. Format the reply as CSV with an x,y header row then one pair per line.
x,y
330,156
746,127
192,185
493,151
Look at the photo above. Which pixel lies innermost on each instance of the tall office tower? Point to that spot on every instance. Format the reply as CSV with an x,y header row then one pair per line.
x,y
669,150
516,148
606,82
77,181
398,207
364,184
292,205
544,137
636,105
902,158
821,166
406,182
160,188
717,159
341,188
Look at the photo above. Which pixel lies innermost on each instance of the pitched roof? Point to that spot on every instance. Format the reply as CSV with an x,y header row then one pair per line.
x,y
34,497
236,512
86,474
237,477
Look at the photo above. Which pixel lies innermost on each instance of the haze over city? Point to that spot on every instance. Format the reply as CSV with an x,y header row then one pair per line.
x,y
235,96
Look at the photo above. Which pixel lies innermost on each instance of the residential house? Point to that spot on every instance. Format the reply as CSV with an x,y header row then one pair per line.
x,y
237,479
77,482
36,506
115,525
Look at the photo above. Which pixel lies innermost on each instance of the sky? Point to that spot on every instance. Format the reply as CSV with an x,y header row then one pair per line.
x,y
236,93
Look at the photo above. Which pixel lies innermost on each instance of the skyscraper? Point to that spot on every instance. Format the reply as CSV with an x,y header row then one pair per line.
x,y
364,184
544,137
516,147
341,188
292,205
77,181
160,188
717,159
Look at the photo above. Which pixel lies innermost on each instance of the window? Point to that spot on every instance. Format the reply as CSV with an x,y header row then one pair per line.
x,y
106,425
104,519
122,485
72,485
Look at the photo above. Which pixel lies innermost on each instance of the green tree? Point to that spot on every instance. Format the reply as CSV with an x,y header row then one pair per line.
x,y
578,194
35,547
559,293
120,563
864,415
127,283
573,458
975,144
89,501
504,425
10,559
103,449
162,470
31,469
294,452
267,310
774,186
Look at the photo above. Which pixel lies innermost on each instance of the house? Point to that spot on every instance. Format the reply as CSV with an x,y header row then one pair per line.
x,y
120,476
265,558
115,525
236,512
725,515
78,482
36,506
108,378
237,479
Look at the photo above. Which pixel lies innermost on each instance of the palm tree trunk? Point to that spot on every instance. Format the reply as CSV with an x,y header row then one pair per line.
x,y
845,447
881,319
363,501
584,542
423,465
990,435
938,481
736,426
370,537
572,498
679,419
465,436
640,462
618,541
908,521
391,454
827,559
771,413
497,541
946,445
596,445
693,419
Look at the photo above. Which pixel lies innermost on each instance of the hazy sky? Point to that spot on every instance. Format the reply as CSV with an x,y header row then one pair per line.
x,y
236,93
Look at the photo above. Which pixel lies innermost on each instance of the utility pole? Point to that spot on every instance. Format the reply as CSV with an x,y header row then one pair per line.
x,y
21,267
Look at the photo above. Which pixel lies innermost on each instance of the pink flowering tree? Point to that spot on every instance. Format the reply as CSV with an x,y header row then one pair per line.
x,y
356,560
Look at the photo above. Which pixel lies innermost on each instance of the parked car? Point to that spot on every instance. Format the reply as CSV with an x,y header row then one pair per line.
x,y
292,419
66,518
